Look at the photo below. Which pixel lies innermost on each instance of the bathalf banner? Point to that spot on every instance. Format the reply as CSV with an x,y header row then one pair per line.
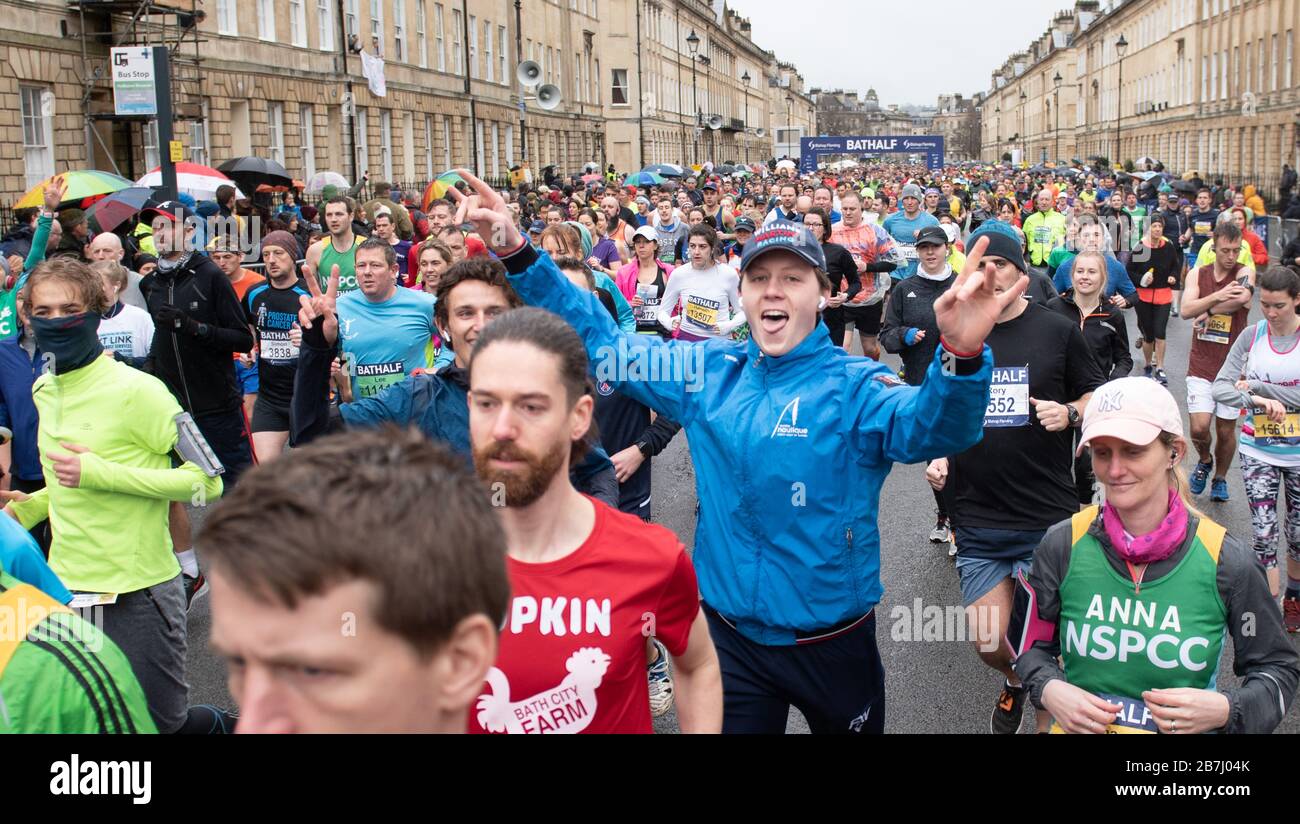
x,y
811,147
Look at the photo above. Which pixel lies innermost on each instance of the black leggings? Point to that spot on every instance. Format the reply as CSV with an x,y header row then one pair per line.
x,y
1152,319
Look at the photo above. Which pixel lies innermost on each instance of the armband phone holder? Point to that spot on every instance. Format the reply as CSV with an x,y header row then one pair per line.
x,y
193,447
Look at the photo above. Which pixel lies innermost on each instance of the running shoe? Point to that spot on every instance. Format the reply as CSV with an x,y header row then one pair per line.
x,y
1009,712
1291,614
1161,376
195,587
940,534
1219,490
1200,475
661,682
1147,370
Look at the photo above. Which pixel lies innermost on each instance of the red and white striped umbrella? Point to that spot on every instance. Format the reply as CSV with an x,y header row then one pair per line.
x,y
199,181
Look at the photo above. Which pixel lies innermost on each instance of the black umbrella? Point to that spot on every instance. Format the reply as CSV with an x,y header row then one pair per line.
x,y
1185,186
250,172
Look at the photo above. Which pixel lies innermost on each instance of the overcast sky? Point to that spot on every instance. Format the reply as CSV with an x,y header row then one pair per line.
x,y
907,51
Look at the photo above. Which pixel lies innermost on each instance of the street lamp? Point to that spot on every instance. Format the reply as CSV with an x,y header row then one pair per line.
x,y
1056,81
744,78
1024,144
705,61
788,124
693,43
1120,45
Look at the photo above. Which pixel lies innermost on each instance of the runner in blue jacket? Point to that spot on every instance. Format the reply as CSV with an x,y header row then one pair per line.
x,y
792,440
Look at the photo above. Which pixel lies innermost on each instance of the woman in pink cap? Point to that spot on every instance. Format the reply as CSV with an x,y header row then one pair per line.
x,y
1136,596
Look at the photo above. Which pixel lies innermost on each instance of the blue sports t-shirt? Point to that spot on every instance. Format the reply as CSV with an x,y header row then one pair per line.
x,y
903,231
384,342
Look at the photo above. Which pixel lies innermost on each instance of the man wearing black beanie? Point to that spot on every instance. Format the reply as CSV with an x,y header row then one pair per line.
x,y
1003,493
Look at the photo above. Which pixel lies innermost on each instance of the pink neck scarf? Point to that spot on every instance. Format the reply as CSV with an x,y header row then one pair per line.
x,y
1154,546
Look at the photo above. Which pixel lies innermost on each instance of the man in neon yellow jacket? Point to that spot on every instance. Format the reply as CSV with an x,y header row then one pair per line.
x,y
1044,231
107,434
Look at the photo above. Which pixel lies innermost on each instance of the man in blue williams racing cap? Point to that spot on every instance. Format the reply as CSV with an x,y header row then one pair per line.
x,y
792,439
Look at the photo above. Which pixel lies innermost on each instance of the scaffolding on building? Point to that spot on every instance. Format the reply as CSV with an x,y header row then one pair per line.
x,y
107,24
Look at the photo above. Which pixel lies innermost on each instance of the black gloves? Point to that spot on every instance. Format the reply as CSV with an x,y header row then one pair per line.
x,y
173,319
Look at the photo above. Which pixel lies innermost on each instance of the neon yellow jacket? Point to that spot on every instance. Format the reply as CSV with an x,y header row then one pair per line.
x,y
110,533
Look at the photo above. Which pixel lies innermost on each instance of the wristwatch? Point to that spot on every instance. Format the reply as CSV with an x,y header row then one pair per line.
x,y
1074,414
644,447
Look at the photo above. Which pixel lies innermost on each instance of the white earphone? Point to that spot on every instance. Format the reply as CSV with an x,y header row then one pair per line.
x,y
821,304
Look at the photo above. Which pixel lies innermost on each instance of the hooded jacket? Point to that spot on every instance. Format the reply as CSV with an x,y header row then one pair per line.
x,y
790,453
1104,330
197,368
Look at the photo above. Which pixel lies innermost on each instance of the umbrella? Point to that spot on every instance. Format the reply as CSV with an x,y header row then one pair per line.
x,y
250,172
1145,175
742,173
320,180
643,179
588,178
266,187
725,168
1186,186
666,170
439,187
785,164
81,187
1145,161
108,213
194,179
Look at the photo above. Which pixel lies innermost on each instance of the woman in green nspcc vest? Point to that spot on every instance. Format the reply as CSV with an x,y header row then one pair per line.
x,y
1136,597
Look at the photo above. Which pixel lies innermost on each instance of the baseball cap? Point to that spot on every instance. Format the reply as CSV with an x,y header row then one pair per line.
x,y
1135,410
708,186
932,234
782,234
170,209
745,224
537,226
646,232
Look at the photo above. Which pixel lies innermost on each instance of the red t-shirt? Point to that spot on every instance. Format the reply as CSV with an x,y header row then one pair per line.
x,y
572,656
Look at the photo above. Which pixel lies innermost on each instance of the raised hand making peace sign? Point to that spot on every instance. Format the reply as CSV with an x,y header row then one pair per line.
x,y
967,312
319,307
486,209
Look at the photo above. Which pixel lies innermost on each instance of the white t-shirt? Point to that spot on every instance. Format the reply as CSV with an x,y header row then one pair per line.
x,y
709,300
129,333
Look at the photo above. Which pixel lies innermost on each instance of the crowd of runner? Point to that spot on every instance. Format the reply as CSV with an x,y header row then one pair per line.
x,y
421,434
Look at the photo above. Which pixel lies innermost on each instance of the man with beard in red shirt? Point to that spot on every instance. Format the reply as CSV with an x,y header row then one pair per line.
x,y
589,583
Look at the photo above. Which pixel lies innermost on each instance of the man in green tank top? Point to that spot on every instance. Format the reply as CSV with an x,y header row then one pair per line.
x,y
339,249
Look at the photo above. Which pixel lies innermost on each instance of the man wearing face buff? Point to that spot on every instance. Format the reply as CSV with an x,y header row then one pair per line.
x,y
792,439
1148,575
107,434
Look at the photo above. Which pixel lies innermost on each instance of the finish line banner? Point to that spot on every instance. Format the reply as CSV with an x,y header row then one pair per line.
x,y
811,147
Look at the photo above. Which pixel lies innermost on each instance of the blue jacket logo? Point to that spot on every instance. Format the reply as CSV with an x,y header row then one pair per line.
x,y
791,429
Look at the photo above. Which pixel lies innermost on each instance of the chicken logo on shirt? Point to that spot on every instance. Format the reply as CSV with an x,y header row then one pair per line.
x,y
567,708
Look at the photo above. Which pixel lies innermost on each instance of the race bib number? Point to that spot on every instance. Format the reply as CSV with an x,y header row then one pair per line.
x,y
1202,228
1218,329
1286,433
1043,234
1135,717
907,251
649,294
276,346
703,312
1008,397
373,378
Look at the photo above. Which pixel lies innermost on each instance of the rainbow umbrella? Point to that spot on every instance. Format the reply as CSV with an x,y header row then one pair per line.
x,y
82,188
439,187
